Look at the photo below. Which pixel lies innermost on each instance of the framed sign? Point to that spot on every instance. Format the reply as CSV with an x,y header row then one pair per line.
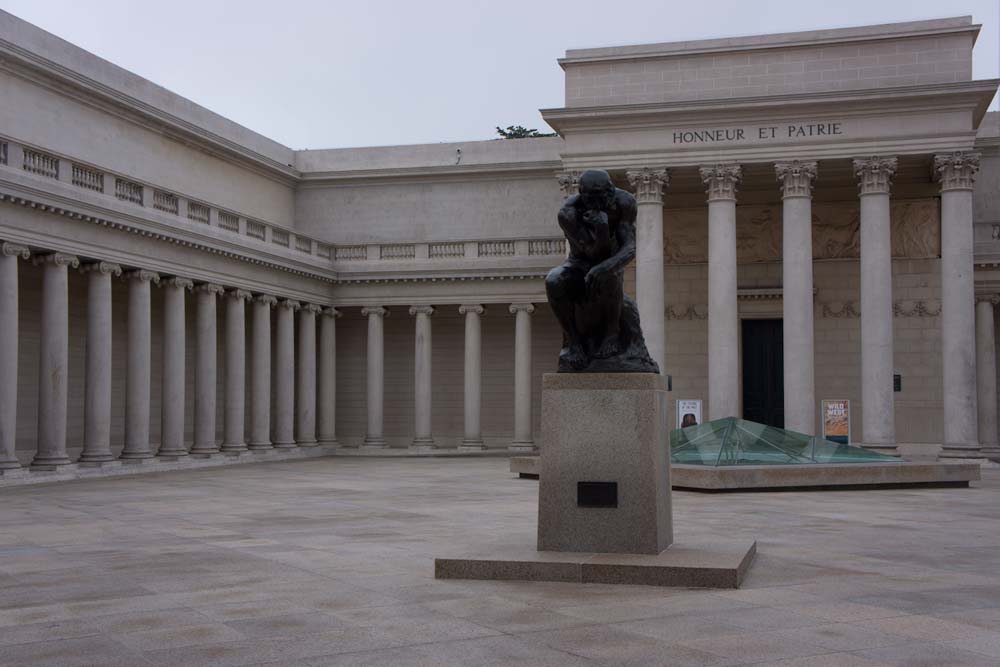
x,y
688,412
836,415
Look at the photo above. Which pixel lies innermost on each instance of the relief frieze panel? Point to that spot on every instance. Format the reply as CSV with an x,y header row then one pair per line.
x,y
836,231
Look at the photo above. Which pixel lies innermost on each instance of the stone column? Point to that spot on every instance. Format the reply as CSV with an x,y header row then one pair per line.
x,y
260,374
139,367
53,367
957,173
205,371
376,367
9,254
649,185
986,373
233,441
796,180
305,416
327,385
284,380
523,422
721,182
472,440
422,438
97,400
174,350
878,420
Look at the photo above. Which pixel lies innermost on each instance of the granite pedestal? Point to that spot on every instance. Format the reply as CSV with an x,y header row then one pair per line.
x,y
606,487
604,511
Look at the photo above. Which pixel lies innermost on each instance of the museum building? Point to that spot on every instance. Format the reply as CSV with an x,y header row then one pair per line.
x,y
819,219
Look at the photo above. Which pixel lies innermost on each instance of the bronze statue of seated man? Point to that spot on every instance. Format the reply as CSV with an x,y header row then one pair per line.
x,y
600,323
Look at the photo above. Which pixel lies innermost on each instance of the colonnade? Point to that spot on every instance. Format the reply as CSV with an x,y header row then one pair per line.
x,y
956,173
294,421
472,432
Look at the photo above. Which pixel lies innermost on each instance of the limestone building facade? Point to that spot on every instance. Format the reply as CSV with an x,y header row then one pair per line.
x,y
819,218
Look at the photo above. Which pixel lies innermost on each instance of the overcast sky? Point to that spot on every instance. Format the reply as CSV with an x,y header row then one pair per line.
x,y
326,74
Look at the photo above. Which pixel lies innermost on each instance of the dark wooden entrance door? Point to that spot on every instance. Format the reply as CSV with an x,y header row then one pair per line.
x,y
763,372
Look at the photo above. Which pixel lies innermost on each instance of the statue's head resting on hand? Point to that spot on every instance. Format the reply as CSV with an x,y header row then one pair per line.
x,y
597,191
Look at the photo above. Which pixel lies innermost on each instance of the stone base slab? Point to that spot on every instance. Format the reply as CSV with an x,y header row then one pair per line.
x,y
76,471
823,476
409,452
817,476
688,565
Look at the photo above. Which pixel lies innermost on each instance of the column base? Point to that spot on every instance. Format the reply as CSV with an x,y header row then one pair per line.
x,y
991,452
95,458
963,453
50,463
204,451
472,446
328,442
233,448
308,443
259,446
284,445
523,447
136,456
422,445
373,442
171,454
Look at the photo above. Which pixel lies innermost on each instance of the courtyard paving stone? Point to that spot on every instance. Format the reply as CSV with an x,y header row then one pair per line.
x,y
324,562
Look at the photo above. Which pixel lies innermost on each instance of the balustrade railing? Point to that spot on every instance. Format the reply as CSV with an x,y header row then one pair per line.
x,y
256,230
496,248
128,191
85,177
279,237
165,201
350,252
199,212
40,163
445,250
229,221
398,251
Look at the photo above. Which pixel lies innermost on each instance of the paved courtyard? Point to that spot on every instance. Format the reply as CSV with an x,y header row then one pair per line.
x,y
329,562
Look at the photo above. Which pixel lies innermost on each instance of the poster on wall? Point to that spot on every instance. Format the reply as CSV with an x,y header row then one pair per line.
x,y
837,420
688,412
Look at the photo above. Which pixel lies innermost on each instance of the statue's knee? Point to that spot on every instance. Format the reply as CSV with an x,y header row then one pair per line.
x,y
555,282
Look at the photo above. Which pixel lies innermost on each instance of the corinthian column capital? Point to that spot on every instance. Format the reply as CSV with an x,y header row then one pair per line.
x,y
796,178
956,171
378,311
312,308
106,268
143,275
58,259
177,281
569,183
12,250
210,288
874,174
265,299
290,304
648,184
239,294
332,312
471,308
721,180
515,308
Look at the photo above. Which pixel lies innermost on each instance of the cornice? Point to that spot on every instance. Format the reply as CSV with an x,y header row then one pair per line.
x,y
26,64
431,173
776,107
744,44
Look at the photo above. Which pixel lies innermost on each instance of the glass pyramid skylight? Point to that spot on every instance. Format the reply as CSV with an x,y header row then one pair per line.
x,y
736,442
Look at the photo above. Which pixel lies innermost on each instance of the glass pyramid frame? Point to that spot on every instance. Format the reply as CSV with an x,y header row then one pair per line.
x,y
737,442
